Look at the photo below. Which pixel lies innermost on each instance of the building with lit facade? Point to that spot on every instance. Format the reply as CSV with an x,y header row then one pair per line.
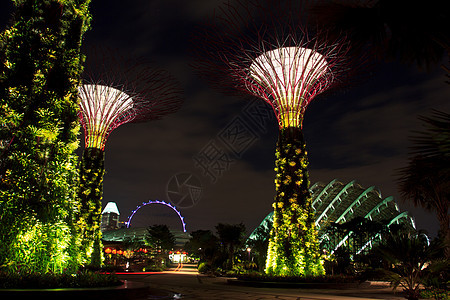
x,y
110,217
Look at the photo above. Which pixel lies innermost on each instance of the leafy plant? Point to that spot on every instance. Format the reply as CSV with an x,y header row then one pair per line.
x,y
33,280
203,267
408,257
160,237
426,179
90,191
39,76
293,248
230,236
299,279
203,244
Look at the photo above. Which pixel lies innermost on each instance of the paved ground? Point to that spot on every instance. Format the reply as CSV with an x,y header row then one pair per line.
x,y
186,283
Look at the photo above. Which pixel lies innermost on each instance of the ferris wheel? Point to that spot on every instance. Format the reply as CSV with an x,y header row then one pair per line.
x,y
128,222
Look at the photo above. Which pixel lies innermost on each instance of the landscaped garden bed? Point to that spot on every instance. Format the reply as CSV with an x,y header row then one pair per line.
x,y
332,282
84,285
82,279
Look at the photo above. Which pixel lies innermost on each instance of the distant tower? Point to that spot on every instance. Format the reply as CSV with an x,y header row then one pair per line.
x,y
110,217
263,49
116,92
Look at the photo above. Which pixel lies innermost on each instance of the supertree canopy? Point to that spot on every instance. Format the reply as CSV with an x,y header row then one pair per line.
x,y
267,51
288,78
103,109
117,92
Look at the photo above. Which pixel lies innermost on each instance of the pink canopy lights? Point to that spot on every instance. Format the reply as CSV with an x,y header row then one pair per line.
x,y
123,91
264,49
103,109
288,78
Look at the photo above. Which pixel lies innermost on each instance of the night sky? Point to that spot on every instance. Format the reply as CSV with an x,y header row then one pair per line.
x,y
359,134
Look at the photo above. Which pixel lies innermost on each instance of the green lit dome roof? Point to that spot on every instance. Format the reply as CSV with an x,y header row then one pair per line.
x,y
337,202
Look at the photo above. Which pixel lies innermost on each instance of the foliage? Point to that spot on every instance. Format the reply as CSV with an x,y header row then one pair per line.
x,y
217,253
156,262
340,262
299,279
203,244
293,247
437,281
435,293
203,267
160,237
133,244
39,76
242,265
153,267
81,279
259,245
408,258
231,236
359,232
90,192
426,179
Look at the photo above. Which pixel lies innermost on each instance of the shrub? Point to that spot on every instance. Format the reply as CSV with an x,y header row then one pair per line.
x,y
299,279
32,280
203,267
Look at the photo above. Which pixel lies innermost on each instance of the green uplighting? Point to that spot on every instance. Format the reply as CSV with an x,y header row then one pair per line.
x,y
293,247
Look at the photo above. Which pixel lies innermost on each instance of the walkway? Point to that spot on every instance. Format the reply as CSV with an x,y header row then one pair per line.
x,y
186,283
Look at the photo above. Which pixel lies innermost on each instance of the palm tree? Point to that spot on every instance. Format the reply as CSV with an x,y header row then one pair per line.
x,y
426,179
259,244
204,244
162,241
407,257
231,236
160,237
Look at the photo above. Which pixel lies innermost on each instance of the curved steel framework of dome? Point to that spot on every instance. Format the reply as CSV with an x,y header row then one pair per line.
x,y
337,202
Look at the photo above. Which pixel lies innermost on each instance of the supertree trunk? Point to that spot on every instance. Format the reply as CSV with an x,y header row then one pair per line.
x,y
133,93
293,248
90,192
264,49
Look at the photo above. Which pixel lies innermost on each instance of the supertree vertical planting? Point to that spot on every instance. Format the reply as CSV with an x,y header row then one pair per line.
x,y
117,92
265,50
40,70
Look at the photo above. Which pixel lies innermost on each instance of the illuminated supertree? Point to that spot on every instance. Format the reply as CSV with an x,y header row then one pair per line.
x,y
265,50
116,93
